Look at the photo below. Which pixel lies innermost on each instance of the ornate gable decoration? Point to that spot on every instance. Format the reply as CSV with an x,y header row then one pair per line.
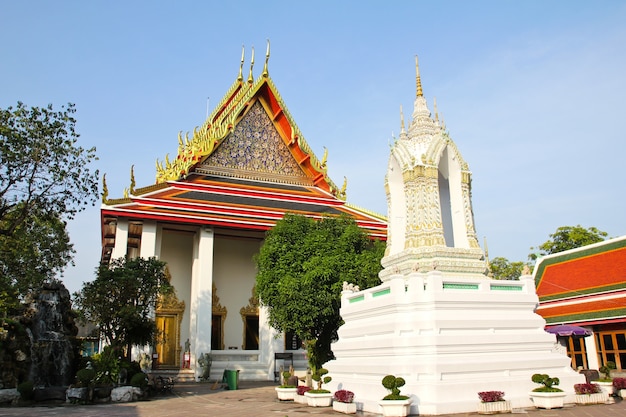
x,y
225,120
255,150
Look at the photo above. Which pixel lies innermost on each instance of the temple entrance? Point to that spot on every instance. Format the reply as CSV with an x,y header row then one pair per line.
x,y
169,315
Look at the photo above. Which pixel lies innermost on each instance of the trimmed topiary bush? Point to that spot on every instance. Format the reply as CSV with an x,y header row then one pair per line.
x,y
85,377
26,390
547,382
393,384
139,380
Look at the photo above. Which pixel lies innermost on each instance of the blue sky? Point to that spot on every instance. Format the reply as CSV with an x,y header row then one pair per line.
x,y
532,93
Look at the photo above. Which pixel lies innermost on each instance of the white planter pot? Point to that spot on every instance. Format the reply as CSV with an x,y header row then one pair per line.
x,y
622,393
319,400
395,408
347,408
597,398
606,386
494,407
286,394
548,400
301,399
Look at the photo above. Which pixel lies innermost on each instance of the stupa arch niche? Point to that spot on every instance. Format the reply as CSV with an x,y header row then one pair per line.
x,y
428,186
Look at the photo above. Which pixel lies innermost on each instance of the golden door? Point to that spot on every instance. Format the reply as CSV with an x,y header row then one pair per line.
x,y
166,340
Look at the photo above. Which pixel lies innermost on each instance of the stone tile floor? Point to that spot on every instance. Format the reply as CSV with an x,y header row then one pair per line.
x,y
252,399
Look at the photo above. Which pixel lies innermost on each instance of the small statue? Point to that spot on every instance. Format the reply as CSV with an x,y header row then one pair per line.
x,y
205,361
187,346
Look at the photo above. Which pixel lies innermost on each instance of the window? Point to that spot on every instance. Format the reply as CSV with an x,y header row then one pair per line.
x,y
251,338
612,347
577,352
217,335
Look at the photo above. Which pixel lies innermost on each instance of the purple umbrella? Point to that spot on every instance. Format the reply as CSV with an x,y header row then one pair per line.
x,y
568,330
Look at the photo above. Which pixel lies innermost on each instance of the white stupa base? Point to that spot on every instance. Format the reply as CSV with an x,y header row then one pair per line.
x,y
449,338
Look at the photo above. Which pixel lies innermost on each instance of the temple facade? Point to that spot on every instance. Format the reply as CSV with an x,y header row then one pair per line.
x,y
206,215
586,287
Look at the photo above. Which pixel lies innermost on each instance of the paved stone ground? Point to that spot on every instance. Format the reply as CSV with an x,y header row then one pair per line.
x,y
252,399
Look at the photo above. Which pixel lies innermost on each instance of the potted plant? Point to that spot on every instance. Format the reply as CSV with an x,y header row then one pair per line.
x,y
394,404
606,383
287,391
343,402
547,396
619,386
320,397
493,402
589,393
300,397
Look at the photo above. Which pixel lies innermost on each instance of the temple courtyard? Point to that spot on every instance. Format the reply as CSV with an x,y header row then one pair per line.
x,y
252,399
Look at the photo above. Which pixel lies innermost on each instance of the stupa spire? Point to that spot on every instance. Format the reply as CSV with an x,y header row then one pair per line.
x,y
435,110
418,80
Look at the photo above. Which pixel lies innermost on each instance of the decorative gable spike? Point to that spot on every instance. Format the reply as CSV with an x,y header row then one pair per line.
x,y
250,77
267,58
240,76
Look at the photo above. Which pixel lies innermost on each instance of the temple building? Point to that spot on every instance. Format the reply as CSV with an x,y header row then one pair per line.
x,y
586,287
206,216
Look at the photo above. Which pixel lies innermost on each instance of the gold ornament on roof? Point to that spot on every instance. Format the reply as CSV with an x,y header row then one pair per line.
x,y
132,179
267,58
105,189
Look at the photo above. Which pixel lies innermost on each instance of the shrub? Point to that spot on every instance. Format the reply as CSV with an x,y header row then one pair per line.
x,y
587,388
344,396
491,396
619,383
302,389
139,380
26,390
393,384
85,377
547,382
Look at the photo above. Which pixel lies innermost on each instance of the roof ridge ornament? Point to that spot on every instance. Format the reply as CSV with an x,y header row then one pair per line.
x,y
267,58
250,77
240,76
418,81
435,110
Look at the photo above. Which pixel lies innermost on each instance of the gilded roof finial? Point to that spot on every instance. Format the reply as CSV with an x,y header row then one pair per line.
x,y
132,179
401,120
435,109
267,58
418,81
240,76
105,189
344,187
250,78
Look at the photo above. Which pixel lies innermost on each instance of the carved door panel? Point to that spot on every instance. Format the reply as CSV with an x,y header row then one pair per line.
x,y
166,341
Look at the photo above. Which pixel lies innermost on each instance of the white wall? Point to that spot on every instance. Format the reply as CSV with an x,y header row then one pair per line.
x,y
234,274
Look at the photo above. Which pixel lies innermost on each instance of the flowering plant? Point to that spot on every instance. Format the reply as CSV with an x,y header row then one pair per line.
x,y
302,389
587,388
491,396
344,396
619,383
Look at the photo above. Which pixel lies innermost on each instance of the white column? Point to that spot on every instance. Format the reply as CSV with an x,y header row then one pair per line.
x,y
200,313
121,239
148,239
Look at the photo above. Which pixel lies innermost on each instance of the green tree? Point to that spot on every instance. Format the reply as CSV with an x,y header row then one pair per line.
x,y
501,268
568,237
38,250
121,300
301,269
45,179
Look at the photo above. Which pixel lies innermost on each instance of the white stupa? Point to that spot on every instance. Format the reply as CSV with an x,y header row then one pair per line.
x,y
438,320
